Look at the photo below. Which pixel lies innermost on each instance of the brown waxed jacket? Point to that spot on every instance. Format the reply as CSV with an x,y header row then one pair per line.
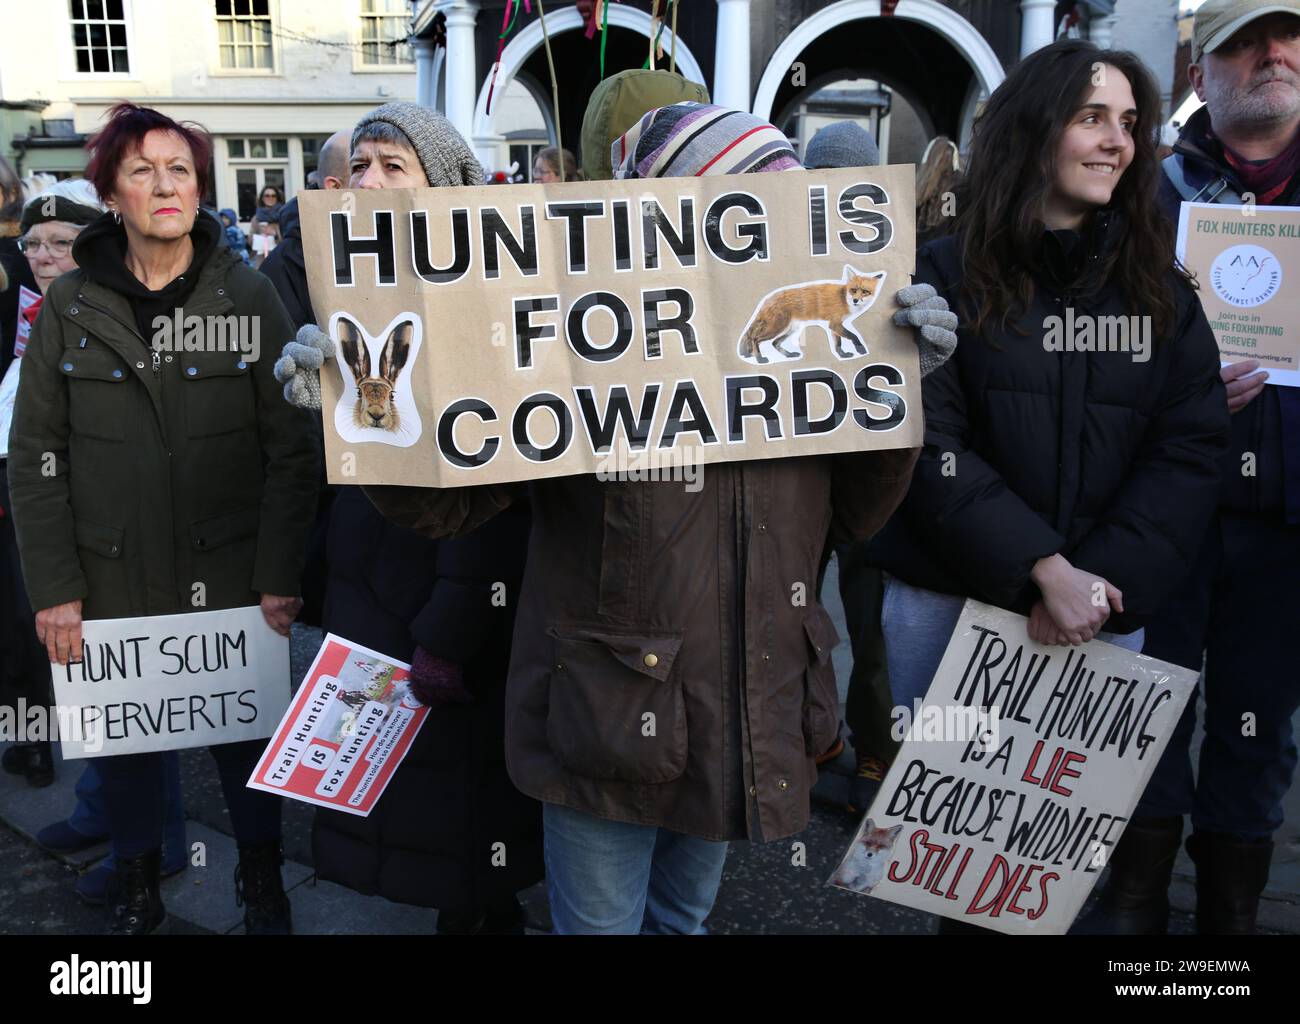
x,y
671,664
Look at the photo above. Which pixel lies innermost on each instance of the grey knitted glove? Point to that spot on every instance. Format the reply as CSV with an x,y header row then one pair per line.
x,y
298,367
928,312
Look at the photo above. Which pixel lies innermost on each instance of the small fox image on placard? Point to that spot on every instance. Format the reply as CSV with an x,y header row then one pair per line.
x,y
863,867
376,404
830,305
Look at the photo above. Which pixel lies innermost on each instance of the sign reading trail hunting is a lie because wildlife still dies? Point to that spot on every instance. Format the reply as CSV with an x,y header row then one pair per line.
x,y
493,334
1016,778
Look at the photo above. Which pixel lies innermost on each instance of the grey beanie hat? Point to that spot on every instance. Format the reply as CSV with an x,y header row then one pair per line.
x,y
443,153
842,144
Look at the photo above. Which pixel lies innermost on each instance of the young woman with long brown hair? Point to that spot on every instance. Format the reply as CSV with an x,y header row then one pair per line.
x,y
1062,458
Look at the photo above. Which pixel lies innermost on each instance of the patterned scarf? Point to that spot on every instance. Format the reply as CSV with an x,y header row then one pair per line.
x,y
1267,179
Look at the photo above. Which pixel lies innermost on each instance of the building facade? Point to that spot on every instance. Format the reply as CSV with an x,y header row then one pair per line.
x,y
270,79
908,69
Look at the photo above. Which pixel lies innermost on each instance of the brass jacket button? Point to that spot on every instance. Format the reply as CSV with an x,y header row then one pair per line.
x,y
651,660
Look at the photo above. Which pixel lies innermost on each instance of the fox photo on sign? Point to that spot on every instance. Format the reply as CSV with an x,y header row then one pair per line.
x,y
1016,776
170,682
1247,262
493,334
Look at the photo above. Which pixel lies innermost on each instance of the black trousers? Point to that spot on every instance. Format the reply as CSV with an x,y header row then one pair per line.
x,y
1239,609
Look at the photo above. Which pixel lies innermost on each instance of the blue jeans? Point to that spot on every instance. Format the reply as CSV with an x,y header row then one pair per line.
x,y
918,625
615,878
90,816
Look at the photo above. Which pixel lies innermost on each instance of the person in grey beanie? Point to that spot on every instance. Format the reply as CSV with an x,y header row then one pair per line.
x,y
842,144
430,603
398,145
441,152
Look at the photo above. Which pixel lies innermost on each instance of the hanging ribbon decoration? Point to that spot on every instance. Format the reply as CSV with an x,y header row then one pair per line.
x,y
657,46
654,20
595,15
672,59
555,89
590,17
508,18
604,34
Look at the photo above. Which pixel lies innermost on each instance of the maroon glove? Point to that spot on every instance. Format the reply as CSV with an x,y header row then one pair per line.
x,y
436,681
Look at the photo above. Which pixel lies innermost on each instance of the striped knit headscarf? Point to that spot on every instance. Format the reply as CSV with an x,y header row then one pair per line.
x,y
692,139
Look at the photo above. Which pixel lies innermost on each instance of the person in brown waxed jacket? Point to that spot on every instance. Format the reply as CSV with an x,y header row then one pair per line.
x,y
669,685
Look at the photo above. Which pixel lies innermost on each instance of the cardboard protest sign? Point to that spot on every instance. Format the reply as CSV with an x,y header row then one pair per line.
x,y
350,725
1247,262
168,682
492,334
1016,777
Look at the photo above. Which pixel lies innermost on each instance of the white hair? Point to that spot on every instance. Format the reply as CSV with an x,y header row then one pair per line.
x,y
75,190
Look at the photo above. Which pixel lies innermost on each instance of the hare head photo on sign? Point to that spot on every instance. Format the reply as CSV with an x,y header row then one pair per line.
x,y
377,404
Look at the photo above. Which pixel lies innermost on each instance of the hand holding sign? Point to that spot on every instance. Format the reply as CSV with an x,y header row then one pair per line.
x,y
1243,383
280,612
59,629
1069,599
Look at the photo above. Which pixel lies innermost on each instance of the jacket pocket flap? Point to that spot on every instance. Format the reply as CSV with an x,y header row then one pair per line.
x,y
822,635
222,529
200,365
93,364
105,541
650,655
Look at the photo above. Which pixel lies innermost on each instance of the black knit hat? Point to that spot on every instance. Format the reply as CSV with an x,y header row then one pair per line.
x,y
73,202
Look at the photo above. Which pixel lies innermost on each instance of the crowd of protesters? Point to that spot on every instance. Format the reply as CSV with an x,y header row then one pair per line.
x,y
1044,475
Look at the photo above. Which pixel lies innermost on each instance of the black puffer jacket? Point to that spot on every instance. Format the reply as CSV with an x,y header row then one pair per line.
x,y
1112,463
430,841
286,266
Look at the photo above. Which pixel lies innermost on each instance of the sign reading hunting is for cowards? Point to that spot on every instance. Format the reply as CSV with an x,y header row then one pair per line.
x,y
492,334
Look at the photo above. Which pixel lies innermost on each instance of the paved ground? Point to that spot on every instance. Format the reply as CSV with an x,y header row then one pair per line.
x,y
764,890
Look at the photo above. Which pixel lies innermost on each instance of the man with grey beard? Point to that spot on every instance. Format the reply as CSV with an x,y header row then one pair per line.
x,y
1238,608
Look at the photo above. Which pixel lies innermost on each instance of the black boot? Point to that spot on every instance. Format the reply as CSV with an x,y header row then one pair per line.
x,y
140,909
33,761
1230,875
502,917
259,889
1136,898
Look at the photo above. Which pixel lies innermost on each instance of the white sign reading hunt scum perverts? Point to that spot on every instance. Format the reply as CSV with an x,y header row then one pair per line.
x,y
168,682
1008,827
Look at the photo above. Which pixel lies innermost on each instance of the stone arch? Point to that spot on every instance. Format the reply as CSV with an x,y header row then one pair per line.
x,y
567,19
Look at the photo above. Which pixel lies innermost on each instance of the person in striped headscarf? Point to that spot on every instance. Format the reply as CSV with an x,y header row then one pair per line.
x,y
666,696
688,140
649,857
